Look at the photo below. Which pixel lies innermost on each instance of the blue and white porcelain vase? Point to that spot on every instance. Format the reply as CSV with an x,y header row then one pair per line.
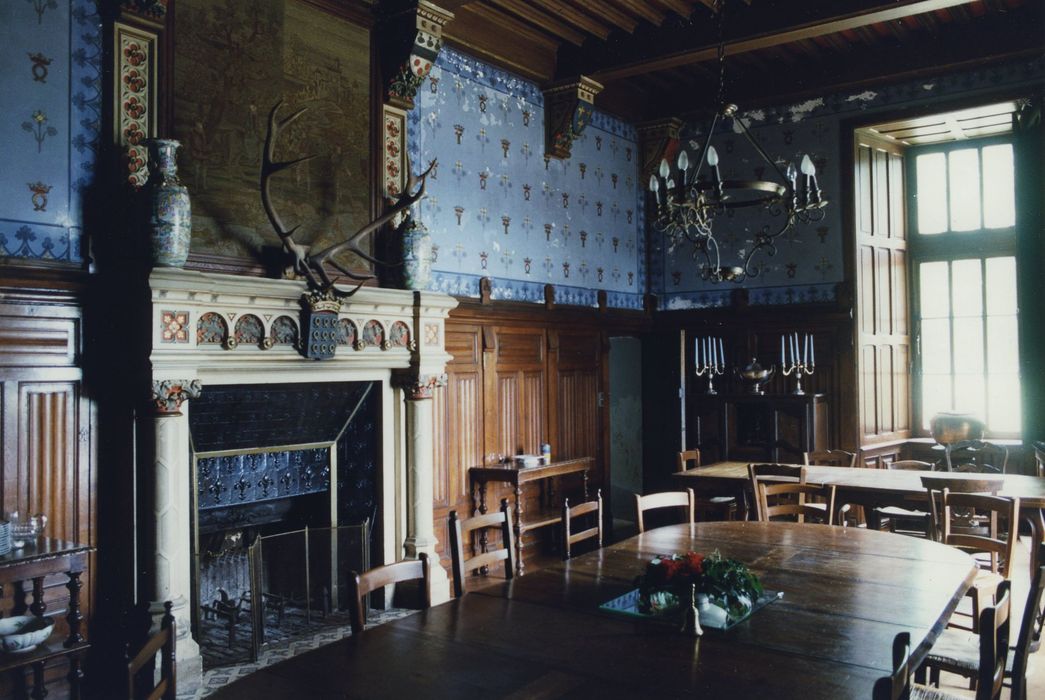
x,y
417,255
170,214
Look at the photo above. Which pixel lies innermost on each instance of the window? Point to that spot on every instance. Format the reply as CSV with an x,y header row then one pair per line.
x,y
963,259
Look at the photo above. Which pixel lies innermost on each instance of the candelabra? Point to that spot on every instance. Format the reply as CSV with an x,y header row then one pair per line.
x,y
709,360
797,358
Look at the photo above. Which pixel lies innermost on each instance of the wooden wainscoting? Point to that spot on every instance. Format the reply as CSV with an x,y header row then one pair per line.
x,y
522,375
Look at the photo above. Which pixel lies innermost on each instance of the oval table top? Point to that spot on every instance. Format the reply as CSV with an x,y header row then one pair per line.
x,y
847,593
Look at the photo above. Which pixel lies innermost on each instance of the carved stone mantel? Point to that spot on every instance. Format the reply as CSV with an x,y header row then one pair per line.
x,y
211,329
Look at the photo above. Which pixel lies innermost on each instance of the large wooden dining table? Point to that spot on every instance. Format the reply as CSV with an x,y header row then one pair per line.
x,y
876,488
846,593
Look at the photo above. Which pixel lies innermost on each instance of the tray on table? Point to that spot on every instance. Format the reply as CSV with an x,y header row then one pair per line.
x,y
627,605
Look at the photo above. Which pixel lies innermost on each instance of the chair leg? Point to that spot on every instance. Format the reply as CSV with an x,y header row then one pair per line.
x,y
977,605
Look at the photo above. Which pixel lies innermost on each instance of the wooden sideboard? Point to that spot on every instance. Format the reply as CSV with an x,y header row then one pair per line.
x,y
548,511
40,558
754,427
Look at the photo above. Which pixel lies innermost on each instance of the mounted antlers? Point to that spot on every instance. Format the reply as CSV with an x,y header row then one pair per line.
x,y
313,266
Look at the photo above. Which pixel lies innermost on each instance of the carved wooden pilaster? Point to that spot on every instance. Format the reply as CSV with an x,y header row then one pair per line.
x,y
658,139
567,111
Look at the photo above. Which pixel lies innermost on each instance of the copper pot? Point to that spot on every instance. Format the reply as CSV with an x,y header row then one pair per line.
x,y
951,428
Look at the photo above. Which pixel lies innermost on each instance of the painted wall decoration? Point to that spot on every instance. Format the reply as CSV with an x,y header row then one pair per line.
x,y
809,261
497,208
50,57
233,61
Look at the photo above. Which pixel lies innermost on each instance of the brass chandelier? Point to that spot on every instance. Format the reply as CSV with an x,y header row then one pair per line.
x,y
688,203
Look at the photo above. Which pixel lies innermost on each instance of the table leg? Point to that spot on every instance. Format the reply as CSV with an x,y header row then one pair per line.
x,y
39,689
75,676
1037,544
518,529
74,618
483,539
584,478
38,606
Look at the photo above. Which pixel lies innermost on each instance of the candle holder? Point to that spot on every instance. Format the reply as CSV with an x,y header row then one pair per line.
x,y
798,368
711,369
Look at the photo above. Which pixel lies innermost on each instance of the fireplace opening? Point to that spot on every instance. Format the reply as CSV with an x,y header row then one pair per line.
x,y
286,494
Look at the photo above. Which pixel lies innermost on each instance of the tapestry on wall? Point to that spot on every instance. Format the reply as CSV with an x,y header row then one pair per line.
x,y
497,208
233,62
50,57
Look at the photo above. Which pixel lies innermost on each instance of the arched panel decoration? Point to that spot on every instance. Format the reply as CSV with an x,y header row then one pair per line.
x,y
373,334
211,329
249,330
348,333
284,331
399,335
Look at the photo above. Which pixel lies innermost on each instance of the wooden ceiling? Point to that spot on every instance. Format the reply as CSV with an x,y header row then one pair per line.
x,y
657,58
975,122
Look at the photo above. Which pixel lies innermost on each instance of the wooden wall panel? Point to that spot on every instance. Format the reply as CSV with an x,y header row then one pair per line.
x,y
883,337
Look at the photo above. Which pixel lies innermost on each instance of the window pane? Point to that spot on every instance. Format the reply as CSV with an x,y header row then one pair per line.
x,y
933,295
968,345
969,395
936,396
967,288
936,346
999,198
932,193
964,171
1002,351
1003,404
1001,285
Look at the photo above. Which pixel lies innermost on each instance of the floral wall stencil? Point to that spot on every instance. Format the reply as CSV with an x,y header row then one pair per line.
x,y
497,205
50,119
809,261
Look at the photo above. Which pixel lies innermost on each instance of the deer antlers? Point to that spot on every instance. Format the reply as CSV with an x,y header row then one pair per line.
x,y
313,266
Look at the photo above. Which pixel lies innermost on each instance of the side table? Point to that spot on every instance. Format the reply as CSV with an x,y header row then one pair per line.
x,y
38,559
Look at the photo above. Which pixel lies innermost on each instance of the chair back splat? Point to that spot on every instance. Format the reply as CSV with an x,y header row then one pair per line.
x,y
141,667
668,499
359,585
570,513
777,473
460,529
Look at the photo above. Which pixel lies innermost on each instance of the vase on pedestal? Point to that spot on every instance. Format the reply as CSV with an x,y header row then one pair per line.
x,y
170,214
416,245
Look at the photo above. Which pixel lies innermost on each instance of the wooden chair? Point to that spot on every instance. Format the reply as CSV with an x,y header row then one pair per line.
x,y
981,457
959,652
994,644
459,529
717,507
898,686
789,501
141,668
829,458
785,473
1039,458
359,585
570,538
668,499
904,520
974,521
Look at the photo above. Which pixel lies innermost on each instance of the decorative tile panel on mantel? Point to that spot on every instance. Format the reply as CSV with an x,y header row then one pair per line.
x,y
203,319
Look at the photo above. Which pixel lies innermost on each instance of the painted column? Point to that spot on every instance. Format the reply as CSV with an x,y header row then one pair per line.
x,y
172,545
420,469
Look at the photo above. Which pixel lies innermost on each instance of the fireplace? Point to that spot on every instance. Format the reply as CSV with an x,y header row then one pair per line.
x,y
279,441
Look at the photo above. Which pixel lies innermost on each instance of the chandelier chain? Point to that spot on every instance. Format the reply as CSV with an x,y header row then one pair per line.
x,y
720,11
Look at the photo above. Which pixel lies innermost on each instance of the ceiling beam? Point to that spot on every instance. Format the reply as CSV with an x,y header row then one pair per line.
x,y
577,18
526,11
608,11
643,9
682,8
516,46
854,18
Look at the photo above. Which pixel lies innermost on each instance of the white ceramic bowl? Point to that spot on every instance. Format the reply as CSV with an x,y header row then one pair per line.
x,y
527,460
24,633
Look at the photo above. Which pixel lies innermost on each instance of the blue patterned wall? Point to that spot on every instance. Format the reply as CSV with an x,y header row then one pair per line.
x,y
50,59
809,262
496,208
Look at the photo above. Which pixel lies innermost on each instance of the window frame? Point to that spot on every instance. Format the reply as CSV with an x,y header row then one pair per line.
x,y
949,246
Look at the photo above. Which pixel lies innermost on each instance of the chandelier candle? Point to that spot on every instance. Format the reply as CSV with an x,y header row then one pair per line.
x,y
802,358
709,359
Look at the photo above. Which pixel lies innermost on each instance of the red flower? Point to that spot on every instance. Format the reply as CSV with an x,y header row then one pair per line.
x,y
693,564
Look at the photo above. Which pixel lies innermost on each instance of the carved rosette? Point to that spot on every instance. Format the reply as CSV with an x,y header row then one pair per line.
x,y
568,109
419,387
169,394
